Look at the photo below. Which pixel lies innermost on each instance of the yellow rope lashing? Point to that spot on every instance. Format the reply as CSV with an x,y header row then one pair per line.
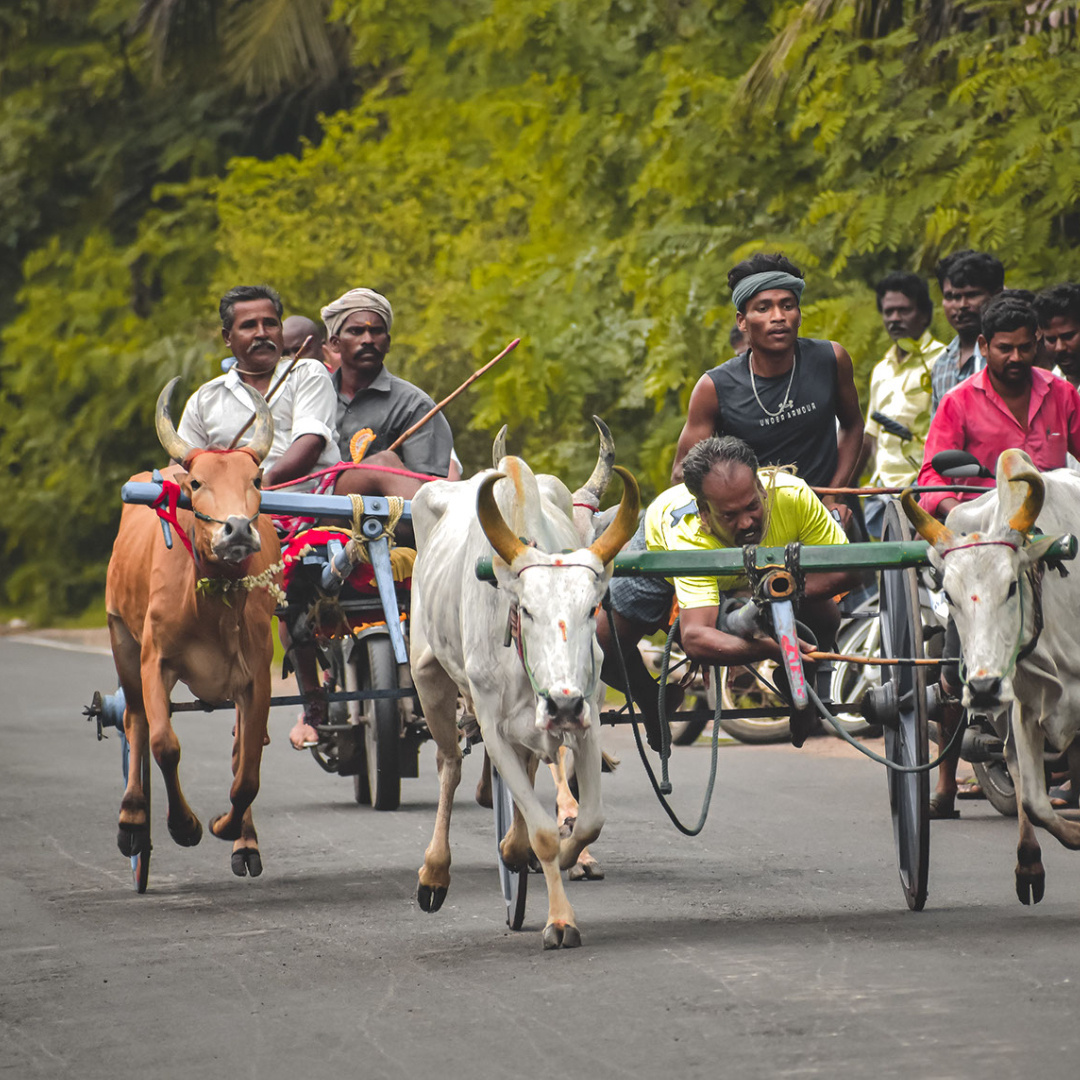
x,y
401,559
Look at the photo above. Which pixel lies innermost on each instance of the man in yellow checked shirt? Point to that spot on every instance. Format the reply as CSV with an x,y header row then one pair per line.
x,y
725,501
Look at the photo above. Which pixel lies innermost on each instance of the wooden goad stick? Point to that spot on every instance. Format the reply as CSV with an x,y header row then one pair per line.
x,y
450,397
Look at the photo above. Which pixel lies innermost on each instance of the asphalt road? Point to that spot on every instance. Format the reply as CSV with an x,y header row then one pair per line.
x,y
776,944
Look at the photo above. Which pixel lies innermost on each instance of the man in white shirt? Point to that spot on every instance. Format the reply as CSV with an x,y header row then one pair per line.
x,y
303,408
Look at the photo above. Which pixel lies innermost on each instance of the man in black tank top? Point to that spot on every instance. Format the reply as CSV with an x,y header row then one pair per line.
x,y
785,395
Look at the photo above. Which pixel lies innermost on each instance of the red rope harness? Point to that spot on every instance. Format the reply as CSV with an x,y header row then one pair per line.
x,y
165,508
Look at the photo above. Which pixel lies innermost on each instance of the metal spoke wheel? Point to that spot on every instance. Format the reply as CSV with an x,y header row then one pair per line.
x,y
908,744
140,859
514,882
376,669
850,681
740,689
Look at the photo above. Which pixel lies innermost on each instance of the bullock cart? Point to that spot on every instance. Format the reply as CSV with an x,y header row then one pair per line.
x,y
373,733
903,704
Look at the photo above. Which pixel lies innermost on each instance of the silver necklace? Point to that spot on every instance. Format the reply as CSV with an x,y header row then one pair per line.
x,y
787,402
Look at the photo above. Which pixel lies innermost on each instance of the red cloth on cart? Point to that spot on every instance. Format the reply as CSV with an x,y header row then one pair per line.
x,y
362,579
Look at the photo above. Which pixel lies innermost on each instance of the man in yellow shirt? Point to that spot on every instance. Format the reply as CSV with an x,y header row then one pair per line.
x,y
900,387
725,501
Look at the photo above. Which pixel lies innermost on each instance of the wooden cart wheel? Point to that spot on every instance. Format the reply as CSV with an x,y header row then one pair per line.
x,y
909,793
382,722
514,882
140,857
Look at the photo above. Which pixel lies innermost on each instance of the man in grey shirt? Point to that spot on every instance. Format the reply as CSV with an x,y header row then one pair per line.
x,y
368,396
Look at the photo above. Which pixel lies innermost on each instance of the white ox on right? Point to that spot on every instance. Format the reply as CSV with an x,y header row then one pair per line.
x,y
988,567
531,700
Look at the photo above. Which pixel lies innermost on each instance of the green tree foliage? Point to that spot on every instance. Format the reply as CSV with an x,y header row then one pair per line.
x,y
579,172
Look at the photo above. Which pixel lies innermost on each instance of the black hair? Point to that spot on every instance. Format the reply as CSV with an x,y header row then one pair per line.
x,y
1005,313
736,337
707,454
911,285
762,263
1058,300
941,271
975,269
241,293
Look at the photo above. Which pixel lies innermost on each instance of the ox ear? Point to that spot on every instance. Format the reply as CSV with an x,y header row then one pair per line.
x,y
1037,549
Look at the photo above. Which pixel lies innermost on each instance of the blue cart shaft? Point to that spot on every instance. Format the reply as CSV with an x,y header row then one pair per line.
x,y
296,504
293,503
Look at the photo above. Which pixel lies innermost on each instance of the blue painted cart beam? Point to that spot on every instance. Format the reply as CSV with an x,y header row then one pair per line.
x,y
276,502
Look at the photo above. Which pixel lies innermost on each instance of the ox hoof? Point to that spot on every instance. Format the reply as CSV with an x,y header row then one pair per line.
x,y
1030,887
188,834
561,937
430,899
586,871
132,841
246,861
566,828
232,833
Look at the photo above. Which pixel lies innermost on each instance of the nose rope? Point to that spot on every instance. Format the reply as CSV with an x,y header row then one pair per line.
x,y
165,507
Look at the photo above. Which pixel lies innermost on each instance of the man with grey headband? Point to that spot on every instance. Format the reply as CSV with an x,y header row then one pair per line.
x,y
792,399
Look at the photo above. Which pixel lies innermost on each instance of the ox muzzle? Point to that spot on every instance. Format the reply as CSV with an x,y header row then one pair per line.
x,y
236,538
563,708
987,693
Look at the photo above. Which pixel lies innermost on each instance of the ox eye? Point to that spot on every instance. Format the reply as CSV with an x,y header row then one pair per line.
x,y
257,482
948,598
195,485
527,613
1012,591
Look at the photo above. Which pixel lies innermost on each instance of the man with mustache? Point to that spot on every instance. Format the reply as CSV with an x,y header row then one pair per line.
x,y
969,280
358,325
303,407
1058,309
358,328
1009,403
899,388
725,501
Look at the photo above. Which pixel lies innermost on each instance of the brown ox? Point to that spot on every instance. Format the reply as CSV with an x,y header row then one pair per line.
x,y
215,638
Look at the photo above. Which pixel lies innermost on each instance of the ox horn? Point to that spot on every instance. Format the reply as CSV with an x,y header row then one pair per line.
x,y
173,445
498,448
929,528
608,544
597,484
1017,466
262,438
501,537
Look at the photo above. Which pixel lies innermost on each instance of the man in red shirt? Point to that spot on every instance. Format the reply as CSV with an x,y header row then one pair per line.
x,y
1010,403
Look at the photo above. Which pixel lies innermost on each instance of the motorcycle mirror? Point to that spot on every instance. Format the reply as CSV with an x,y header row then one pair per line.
x,y
955,464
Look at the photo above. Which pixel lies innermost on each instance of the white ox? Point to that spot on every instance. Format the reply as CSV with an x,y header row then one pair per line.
x,y
528,702
988,563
